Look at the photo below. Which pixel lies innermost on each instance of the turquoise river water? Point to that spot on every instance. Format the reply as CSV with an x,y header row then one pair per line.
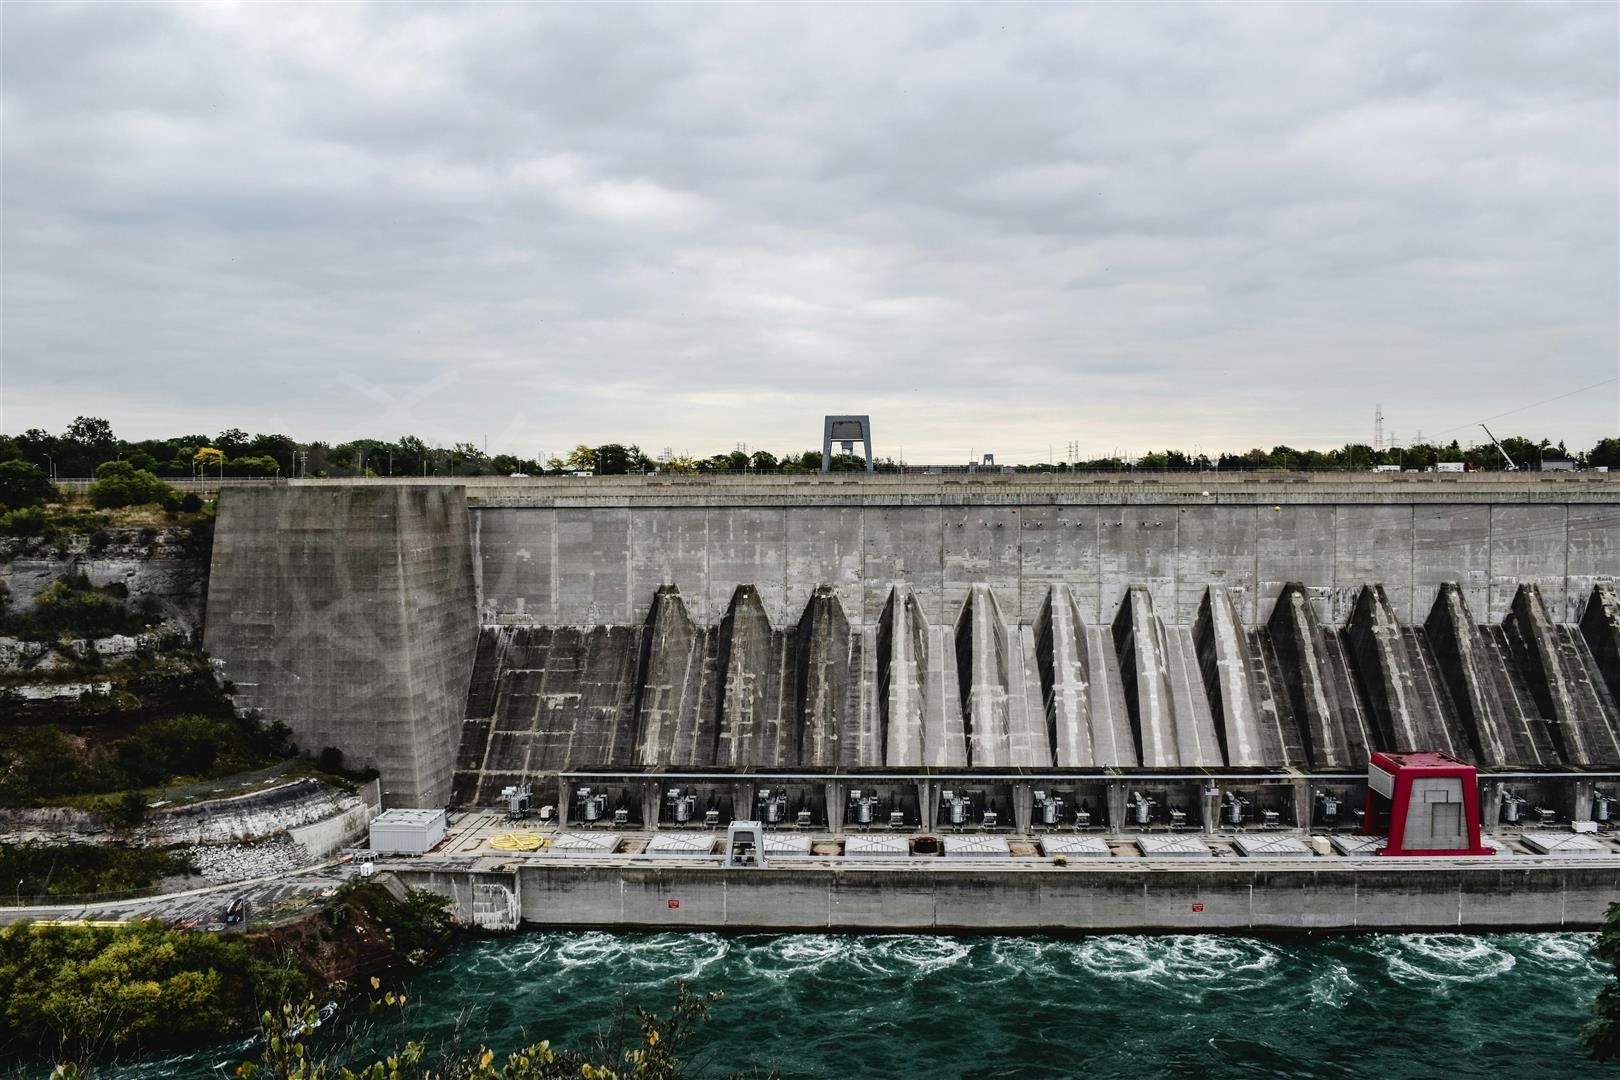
x,y
1386,1006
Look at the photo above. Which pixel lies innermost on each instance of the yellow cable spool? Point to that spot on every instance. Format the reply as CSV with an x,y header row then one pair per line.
x,y
519,841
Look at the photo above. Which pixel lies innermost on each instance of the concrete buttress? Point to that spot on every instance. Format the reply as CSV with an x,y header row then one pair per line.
x,y
349,614
1318,685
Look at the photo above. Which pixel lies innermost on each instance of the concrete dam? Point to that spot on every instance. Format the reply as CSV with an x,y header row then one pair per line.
x,y
466,636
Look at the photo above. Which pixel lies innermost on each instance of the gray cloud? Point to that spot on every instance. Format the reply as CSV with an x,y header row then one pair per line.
x,y
990,226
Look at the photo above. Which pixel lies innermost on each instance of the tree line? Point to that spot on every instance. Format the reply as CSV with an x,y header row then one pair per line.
x,y
89,443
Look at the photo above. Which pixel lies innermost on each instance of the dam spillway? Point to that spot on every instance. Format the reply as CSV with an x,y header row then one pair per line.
x,y
466,636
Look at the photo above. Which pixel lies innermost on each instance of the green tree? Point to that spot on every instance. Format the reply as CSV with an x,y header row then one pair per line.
x,y
582,459
680,463
1602,1035
87,443
613,459
263,465
279,447
22,484
118,483
412,456
232,441
1606,452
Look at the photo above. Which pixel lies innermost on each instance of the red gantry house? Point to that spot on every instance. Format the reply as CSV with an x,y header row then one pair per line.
x,y
1431,800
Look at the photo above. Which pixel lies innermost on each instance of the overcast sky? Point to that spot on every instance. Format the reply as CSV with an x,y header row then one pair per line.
x,y
992,228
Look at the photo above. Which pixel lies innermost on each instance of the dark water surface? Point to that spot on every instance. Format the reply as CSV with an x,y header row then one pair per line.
x,y
1387,1006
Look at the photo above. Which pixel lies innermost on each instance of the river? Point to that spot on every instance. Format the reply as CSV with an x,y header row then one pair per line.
x,y
826,1006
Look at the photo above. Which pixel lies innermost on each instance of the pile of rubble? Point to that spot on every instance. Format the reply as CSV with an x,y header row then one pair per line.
x,y
238,862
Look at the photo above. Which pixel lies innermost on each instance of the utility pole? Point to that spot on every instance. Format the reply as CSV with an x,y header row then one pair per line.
x,y
1378,427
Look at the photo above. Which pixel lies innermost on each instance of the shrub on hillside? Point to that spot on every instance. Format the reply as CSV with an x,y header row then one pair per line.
x,y
71,605
118,483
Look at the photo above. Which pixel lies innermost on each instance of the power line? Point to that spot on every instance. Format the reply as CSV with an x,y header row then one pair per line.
x,y
1534,404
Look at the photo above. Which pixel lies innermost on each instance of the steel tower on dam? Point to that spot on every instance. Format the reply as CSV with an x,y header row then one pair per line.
x,y
1105,638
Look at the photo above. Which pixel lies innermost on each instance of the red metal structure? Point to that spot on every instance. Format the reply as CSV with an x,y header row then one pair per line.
x,y
1432,800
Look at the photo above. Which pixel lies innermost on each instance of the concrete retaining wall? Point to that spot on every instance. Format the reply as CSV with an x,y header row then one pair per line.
x,y
322,838
1157,898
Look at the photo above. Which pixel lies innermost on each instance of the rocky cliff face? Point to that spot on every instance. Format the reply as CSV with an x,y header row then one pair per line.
x,y
167,564
152,581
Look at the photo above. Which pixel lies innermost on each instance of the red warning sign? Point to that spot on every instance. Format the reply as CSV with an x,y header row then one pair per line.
x,y
673,904
1197,908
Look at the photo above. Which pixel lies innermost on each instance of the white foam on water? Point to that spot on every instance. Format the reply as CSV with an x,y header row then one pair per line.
x,y
676,956
1332,987
595,947
1442,959
811,950
1569,953
1004,959
1184,962
1029,956
798,954
908,954
526,951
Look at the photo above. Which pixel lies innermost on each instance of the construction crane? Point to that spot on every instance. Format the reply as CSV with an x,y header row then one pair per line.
x,y
1510,466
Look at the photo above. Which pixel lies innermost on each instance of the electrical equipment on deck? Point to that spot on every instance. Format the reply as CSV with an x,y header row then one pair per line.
x,y
1510,808
518,801
803,819
957,807
621,818
682,805
1233,809
1140,809
1602,807
772,806
711,819
1048,809
1328,808
863,807
592,804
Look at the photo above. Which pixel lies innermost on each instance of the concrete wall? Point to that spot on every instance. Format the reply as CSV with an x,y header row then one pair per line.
x,y
1377,896
907,622
584,565
348,613
322,838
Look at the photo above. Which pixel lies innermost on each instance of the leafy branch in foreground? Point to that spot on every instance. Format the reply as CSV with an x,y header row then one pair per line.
x,y
1602,1035
654,1055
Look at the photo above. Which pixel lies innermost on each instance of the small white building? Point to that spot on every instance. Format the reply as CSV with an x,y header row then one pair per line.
x,y
408,832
